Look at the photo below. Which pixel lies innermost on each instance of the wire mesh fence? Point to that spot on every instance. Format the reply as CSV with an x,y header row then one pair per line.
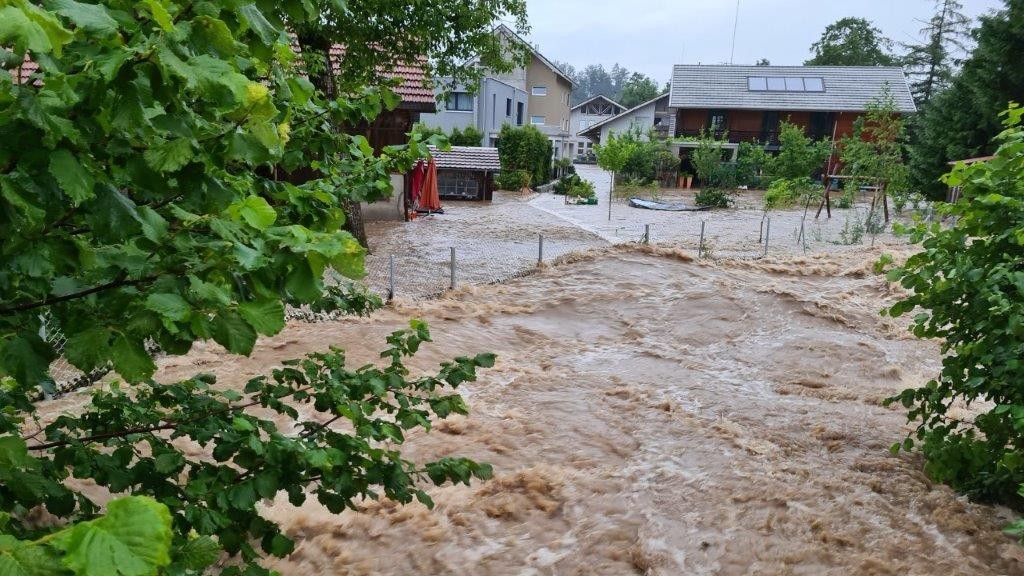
x,y
480,259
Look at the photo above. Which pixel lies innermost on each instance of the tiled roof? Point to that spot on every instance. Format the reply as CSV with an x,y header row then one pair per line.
x,y
510,33
27,68
467,158
847,88
415,86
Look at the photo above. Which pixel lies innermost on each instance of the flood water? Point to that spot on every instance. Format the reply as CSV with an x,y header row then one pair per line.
x,y
654,415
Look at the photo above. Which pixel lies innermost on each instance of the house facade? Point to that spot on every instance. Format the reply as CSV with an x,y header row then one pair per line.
x,y
654,114
538,93
587,114
747,103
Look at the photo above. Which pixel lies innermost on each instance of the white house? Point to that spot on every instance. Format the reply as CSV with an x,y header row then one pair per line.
x,y
587,114
651,114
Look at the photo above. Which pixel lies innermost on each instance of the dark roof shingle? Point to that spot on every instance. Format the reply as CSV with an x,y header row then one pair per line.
x,y
847,88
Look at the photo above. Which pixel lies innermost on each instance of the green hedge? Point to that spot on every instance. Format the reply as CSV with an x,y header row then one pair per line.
x,y
527,149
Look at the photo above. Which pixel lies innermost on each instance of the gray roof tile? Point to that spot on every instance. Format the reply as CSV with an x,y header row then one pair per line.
x,y
467,158
847,88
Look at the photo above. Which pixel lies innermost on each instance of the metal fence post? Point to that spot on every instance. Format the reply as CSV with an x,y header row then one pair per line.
x,y
391,278
700,246
767,234
452,284
647,233
540,249
760,235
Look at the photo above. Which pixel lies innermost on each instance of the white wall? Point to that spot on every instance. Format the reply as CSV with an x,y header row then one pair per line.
x,y
643,118
392,208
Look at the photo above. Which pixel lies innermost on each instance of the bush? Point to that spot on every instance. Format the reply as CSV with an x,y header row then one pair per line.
x,y
525,148
799,156
581,188
751,161
786,192
512,180
714,197
470,136
967,290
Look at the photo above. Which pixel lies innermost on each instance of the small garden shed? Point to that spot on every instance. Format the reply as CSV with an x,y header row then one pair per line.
x,y
466,172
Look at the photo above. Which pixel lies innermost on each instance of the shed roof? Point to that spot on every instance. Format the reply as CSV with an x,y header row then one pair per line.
x,y
467,158
847,88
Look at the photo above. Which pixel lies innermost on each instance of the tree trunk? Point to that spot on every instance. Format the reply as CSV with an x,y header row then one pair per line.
x,y
312,42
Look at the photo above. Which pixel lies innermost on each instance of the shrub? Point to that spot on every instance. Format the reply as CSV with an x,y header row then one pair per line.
x,y
967,290
581,189
469,136
799,156
786,192
714,197
512,180
707,160
565,182
751,161
525,148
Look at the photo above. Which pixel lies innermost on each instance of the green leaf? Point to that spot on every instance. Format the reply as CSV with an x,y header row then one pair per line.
x,y
132,539
160,14
19,558
255,211
281,546
169,155
232,332
170,306
88,349
76,182
30,28
199,553
131,360
266,317
91,17
259,24
26,358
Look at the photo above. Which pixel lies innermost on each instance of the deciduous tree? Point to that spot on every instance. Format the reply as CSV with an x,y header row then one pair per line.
x,y
852,42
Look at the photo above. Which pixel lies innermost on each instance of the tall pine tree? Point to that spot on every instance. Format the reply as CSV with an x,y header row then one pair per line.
x,y
960,121
932,64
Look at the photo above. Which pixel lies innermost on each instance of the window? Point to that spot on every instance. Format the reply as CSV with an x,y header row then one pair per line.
x,y
508,107
459,101
785,84
584,124
716,121
540,91
814,85
536,119
494,109
519,113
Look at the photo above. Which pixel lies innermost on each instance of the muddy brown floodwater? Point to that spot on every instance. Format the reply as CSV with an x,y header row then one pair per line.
x,y
654,415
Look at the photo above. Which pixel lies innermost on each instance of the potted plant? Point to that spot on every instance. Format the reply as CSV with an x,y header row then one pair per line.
x,y
688,180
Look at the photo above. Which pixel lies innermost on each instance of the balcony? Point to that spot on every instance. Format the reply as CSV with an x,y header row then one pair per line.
x,y
769,137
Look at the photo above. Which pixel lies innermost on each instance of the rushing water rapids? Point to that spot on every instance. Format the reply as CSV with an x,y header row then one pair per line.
x,y
654,415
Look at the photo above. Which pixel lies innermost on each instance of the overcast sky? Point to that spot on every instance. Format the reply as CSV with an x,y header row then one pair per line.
x,y
650,36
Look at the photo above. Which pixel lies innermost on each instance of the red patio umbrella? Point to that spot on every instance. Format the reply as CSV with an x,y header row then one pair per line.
x,y
430,201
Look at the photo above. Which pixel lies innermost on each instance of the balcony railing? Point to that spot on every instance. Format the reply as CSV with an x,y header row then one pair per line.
x,y
770,137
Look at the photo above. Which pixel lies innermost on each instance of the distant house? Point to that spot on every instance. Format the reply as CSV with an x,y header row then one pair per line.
x,y
653,114
466,172
588,113
538,93
749,102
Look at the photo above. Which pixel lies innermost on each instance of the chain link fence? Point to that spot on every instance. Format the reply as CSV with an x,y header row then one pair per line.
x,y
478,259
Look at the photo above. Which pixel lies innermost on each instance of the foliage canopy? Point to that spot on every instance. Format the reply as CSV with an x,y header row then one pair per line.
x,y
852,42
